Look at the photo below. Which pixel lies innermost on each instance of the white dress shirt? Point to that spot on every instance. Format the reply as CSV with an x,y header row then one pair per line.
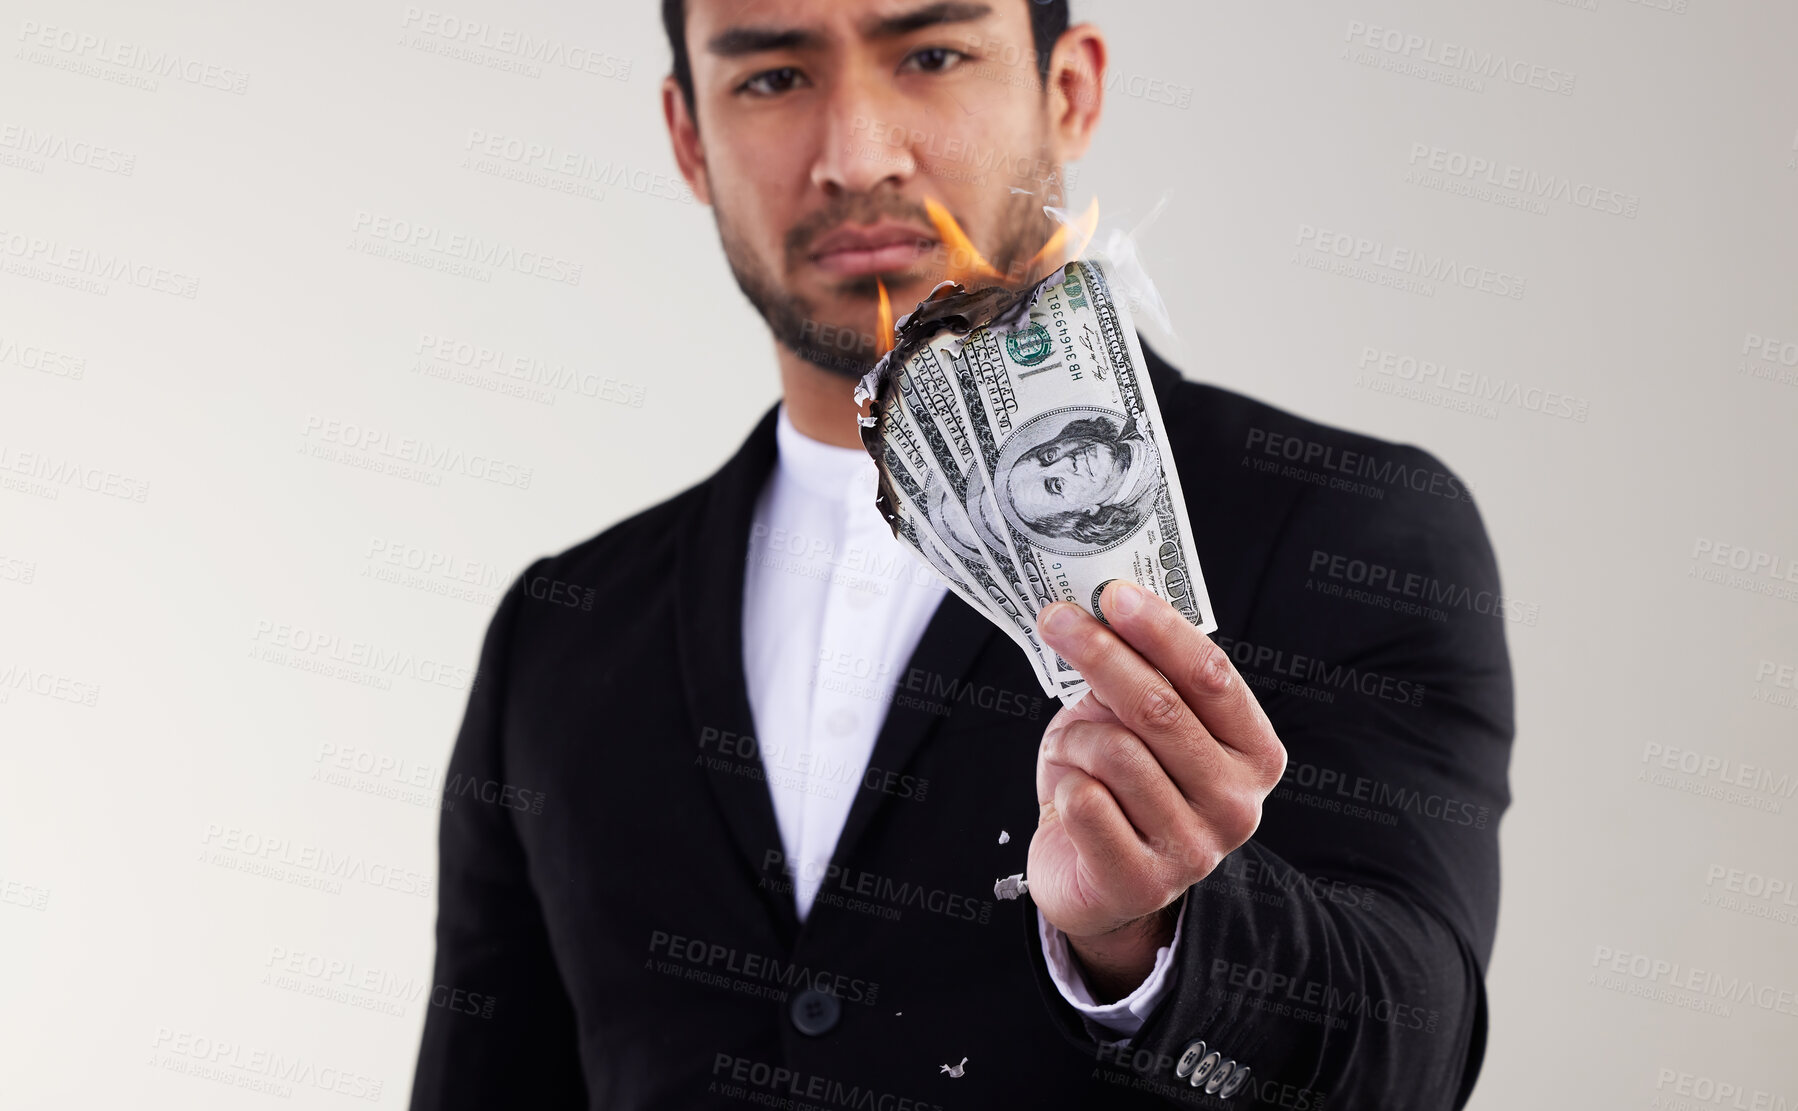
x,y
833,607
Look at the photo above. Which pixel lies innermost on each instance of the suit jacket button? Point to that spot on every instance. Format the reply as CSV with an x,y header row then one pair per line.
x,y
1203,1070
1234,1084
1189,1060
816,1012
1219,1077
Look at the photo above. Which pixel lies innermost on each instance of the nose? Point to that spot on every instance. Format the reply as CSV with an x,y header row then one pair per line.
x,y
863,147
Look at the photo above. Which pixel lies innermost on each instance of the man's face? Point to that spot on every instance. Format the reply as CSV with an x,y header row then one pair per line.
x,y
1045,483
824,125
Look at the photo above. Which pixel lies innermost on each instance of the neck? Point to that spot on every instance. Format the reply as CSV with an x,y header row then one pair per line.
x,y
821,404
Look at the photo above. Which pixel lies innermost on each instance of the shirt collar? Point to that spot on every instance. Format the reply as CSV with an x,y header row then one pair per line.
x,y
820,468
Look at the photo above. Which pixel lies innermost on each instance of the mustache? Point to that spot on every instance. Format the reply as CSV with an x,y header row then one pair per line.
x,y
851,208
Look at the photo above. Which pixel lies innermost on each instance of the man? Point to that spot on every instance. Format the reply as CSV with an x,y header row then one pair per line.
x,y
783,768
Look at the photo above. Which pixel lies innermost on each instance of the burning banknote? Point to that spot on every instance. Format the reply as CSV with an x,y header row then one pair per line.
x,y
1021,454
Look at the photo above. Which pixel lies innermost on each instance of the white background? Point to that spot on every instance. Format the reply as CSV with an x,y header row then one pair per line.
x,y
122,935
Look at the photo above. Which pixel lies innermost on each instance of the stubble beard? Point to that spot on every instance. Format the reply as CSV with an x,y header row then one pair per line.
x,y
851,350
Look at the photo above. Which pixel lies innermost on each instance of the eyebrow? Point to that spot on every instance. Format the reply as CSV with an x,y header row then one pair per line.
x,y
737,41
931,15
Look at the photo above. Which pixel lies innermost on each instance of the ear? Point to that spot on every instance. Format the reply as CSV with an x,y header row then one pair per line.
x,y
683,132
1076,90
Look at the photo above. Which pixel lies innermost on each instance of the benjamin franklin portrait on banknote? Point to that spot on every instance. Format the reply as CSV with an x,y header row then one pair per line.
x,y
1078,481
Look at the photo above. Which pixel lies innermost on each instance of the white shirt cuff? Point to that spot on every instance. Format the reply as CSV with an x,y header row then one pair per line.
x,y
1127,1015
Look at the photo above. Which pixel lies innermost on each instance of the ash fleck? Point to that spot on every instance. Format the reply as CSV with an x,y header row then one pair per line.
x,y
1011,887
956,1070
1004,838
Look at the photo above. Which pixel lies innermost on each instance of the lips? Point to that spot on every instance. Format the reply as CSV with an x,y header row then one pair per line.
x,y
872,249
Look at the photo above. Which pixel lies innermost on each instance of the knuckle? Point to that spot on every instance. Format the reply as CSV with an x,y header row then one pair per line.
x,y
1194,850
1273,766
1120,749
1158,707
1210,668
1086,802
1240,817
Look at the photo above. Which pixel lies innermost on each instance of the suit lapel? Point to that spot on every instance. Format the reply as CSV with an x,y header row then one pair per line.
x,y
711,558
711,561
939,666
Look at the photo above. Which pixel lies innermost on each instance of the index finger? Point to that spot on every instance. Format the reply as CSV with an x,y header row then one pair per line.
x,y
1195,665
1136,695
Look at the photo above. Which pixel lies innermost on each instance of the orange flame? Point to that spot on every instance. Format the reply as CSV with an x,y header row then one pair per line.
x,y
966,265
1068,242
886,334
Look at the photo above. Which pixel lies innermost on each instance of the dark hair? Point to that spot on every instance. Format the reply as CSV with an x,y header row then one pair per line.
x,y
1048,19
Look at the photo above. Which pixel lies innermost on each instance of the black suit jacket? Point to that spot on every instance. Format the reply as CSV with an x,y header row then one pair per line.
x,y
615,929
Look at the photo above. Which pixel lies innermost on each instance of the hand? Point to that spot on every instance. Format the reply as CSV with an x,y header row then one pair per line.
x,y
1144,785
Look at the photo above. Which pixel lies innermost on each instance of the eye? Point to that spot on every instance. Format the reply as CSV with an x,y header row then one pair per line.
x,y
773,82
934,59
1053,486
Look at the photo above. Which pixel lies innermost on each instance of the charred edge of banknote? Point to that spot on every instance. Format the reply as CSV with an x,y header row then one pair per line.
x,y
950,308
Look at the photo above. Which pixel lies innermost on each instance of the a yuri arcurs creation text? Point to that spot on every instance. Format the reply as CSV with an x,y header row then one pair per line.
x,y
1022,455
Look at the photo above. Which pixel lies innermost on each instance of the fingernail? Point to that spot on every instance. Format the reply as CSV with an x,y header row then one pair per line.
x,y
1060,620
1126,599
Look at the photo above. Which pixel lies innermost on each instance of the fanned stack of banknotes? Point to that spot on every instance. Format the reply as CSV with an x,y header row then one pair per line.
x,y
1022,455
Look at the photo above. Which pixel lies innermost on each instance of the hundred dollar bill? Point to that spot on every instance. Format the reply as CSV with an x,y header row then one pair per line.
x,y
968,577
1073,471
960,508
